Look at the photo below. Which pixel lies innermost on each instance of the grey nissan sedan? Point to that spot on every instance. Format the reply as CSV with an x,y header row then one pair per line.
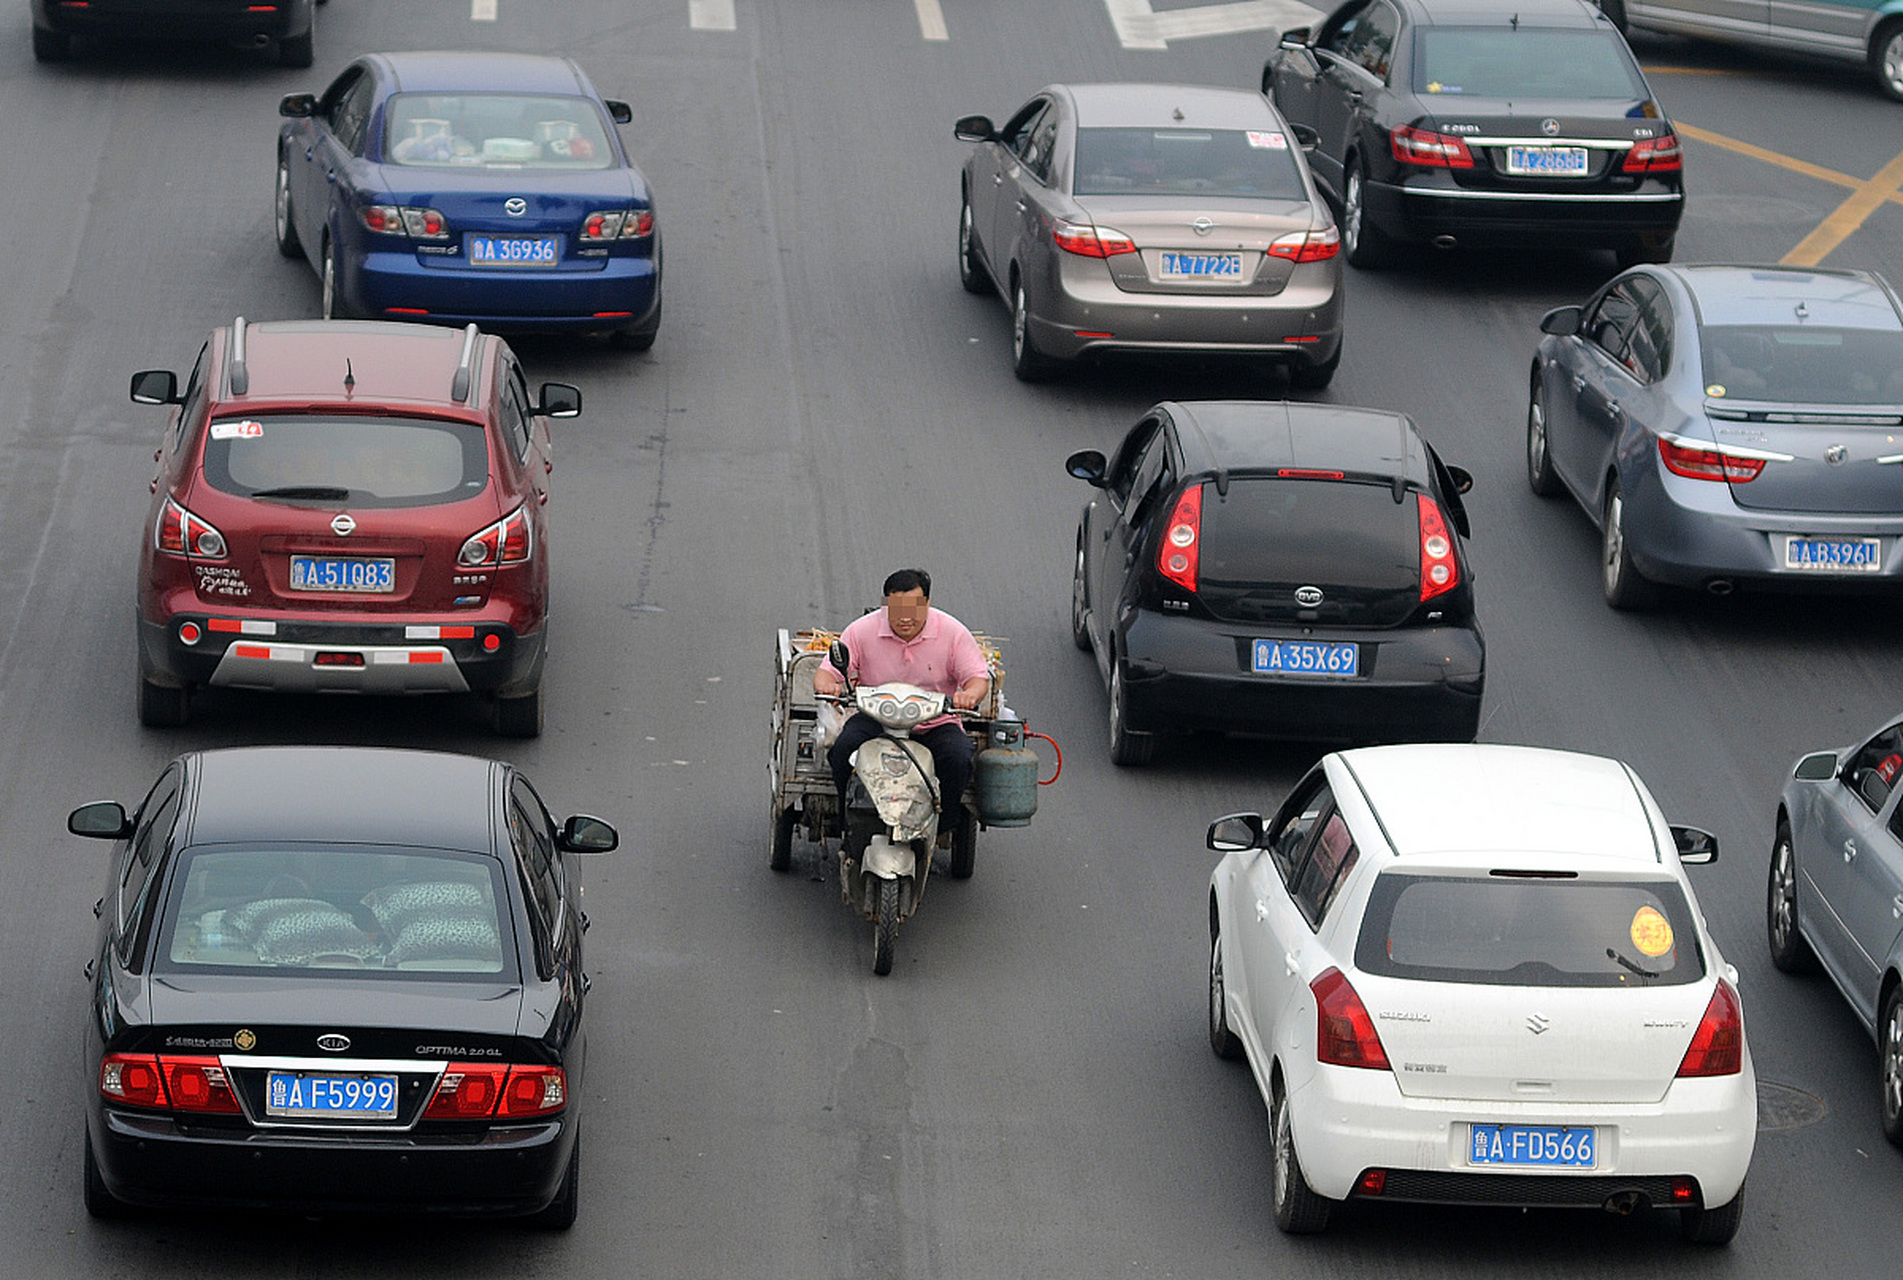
x,y
1164,219
1728,426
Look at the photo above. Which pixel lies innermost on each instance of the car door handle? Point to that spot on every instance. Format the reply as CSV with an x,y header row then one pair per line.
x,y
1612,407
1023,205
88,970
310,153
997,179
587,984
1354,97
330,175
541,496
1850,850
1290,963
99,908
1579,383
1261,910
1896,907
583,917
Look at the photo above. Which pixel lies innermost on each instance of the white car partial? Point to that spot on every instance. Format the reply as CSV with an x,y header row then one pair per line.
x,y
1478,974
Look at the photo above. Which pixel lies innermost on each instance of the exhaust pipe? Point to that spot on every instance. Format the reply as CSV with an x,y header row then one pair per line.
x,y
260,41
1721,586
1443,242
1623,1203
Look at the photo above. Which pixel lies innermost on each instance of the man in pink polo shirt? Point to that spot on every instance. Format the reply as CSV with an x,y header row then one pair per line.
x,y
910,642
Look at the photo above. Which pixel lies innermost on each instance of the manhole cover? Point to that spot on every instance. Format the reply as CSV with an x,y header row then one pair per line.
x,y
1781,1106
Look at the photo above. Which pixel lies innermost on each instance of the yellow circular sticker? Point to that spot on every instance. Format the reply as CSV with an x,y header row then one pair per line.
x,y
1715,389
1651,933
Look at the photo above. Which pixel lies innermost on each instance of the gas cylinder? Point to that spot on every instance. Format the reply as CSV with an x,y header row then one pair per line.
x,y
1005,777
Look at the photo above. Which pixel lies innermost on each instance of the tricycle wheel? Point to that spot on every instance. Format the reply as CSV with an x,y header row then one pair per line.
x,y
964,847
784,820
885,930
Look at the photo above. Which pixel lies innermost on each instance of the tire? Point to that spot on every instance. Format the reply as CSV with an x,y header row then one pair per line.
x,y
1890,1066
1364,246
299,51
1712,1226
519,717
1886,58
1127,747
560,1213
971,269
1648,248
332,305
1026,362
1615,13
1314,377
1298,1210
1539,453
100,1203
1789,952
638,339
162,706
781,856
51,46
1625,586
1079,605
282,224
1225,1043
964,848
885,930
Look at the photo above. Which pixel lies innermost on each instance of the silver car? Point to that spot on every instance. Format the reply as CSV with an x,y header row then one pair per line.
x,y
1152,218
1863,31
1728,426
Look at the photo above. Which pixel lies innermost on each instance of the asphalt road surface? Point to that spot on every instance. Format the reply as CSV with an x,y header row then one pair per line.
x,y
1030,1093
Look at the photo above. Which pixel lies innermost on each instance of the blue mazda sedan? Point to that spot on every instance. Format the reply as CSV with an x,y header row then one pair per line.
x,y
460,187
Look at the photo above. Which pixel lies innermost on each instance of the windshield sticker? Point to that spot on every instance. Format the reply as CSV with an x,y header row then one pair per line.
x,y
237,430
1435,86
1651,933
1267,141
1715,390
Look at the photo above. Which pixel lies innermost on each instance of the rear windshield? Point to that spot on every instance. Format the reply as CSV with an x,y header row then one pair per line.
x,y
494,131
365,461
1500,62
1513,931
359,910
1270,536
1204,162
1798,363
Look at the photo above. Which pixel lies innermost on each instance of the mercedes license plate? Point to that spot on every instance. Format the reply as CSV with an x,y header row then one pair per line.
x,y
1547,162
1221,267
1565,1147
514,251
1834,555
341,573
1305,658
336,1097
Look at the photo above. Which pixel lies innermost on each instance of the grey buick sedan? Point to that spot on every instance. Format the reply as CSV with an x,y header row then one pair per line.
x,y
1161,219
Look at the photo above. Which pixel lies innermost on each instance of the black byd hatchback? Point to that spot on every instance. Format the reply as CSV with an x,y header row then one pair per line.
x,y
1283,569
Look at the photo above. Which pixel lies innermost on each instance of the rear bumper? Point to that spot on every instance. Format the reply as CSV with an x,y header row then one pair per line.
x,y
1421,210
174,19
624,294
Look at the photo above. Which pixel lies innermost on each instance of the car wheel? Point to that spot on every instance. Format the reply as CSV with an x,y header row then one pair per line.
x,y
1361,243
964,848
519,717
971,271
560,1213
1712,1226
281,222
1127,747
1625,587
1539,456
161,705
1314,377
1226,1043
100,1203
333,302
1079,605
1647,248
638,339
1789,952
299,51
1298,1210
51,46
1890,1068
1615,13
1886,58
1026,361
781,856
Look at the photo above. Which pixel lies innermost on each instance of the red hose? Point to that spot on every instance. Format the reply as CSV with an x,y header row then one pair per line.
x,y
1045,782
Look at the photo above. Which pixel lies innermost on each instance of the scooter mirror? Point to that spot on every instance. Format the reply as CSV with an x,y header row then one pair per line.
x,y
840,657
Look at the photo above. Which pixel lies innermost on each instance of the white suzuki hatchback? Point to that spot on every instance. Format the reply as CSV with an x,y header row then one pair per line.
x,y
1478,975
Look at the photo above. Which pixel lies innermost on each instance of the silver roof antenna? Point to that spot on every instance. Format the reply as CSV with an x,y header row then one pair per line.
x,y
238,375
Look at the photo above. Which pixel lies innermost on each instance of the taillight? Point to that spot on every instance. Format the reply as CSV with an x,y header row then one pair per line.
x,y
623,224
1698,463
1182,539
467,1091
132,1078
1310,246
1090,242
180,533
1429,149
534,1091
1440,570
1655,155
198,1084
507,541
403,220
1344,1033
1717,1047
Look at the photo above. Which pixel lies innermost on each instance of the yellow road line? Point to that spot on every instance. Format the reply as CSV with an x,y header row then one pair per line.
x,y
1804,167
1848,216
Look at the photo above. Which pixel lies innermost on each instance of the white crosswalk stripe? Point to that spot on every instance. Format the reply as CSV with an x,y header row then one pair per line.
x,y
482,10
931,20
1139,26
710,15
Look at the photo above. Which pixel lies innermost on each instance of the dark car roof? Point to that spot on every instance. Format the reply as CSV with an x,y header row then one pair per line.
x,y
1239,435
346,795
1140,106
1771,295
464,72
1538,13
308,359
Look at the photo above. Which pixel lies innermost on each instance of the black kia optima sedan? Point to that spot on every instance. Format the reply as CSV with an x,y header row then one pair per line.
x,y
1482,121
337,980
1279,569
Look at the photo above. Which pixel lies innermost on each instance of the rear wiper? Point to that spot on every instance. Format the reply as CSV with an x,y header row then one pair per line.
x,y
1627,964
316,492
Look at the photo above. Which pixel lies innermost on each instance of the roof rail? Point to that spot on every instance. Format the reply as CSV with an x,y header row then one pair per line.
x,y
237,375
459,386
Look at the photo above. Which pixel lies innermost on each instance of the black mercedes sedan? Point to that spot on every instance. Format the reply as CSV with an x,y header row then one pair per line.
x,y
337,980
1279,569
1451,122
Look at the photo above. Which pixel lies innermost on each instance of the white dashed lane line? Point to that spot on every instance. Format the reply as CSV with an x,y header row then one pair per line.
x,y
482,10
710,15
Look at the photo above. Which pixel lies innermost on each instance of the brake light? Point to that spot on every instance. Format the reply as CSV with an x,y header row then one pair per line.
x,y
1182,539
1655,155
1696,463
507,541
403,220
180,533
132,1078
534,1091
624,224
1344,1033
1312,246
1429,149
198,1084
467,1091
1372,1182
1717,1047
1440,570
1090,242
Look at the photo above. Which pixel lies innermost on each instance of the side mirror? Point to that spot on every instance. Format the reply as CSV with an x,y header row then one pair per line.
x,y
618,111
1235,832
1695,847
841,658
975,129
1305,138
1295,38
298,106
1088,466
583,834
100,820
1463,479
1819,766
1561,322
559,400
155,386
